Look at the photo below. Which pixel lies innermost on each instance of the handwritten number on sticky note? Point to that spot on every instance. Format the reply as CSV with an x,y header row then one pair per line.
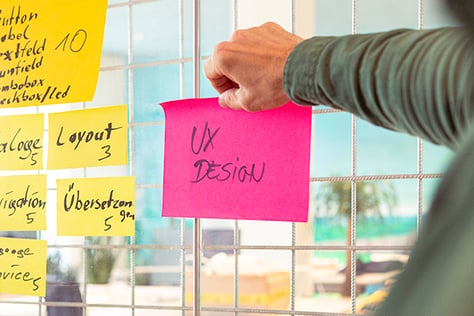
x,y
30,219
125,215
76,44
107,153
108,226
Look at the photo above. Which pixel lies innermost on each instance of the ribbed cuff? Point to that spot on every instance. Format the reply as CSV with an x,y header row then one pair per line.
x,y
301,67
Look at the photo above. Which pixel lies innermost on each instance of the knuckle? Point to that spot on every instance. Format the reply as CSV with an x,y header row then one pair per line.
x,y
238,35
247,103
223,48
220,48
269,24
221,51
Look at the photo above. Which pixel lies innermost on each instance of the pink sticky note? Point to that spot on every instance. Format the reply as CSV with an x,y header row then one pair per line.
x,y
221,163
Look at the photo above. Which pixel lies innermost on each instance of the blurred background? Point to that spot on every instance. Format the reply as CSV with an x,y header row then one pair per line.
x,y
248,267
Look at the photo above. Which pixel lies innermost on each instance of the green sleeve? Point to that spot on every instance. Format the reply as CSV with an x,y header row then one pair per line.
x,y
405,80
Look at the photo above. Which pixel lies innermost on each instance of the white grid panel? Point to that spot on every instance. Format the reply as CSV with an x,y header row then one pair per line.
x,y
120,81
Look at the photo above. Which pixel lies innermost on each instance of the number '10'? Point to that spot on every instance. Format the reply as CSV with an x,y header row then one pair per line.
x,y
76,43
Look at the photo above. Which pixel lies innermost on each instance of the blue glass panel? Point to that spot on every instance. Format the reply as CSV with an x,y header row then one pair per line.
x,y
435,158
115,44
380,151
155,31
149,148
153,85
331,140
216,23
383,15
333,17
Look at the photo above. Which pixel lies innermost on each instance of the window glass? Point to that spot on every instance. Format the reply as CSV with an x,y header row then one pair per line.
x,y
380,151
333,18
149,154
115,44
384,15
155,31
153,85
331,145
435,158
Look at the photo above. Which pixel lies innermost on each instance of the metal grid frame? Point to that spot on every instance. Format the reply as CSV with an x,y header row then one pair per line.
x,y
197,246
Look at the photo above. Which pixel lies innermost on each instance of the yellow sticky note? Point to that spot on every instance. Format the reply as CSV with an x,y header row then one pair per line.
x,y
23,266
23,202
88,138
50,51
96,206
21,142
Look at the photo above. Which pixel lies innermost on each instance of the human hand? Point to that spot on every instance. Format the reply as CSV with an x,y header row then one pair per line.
x,y
247,71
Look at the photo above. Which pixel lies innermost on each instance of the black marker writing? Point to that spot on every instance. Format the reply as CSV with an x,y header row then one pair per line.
x,y
108,226
76,138
28,201
11,35
21,276
210,169
27,148
16,253
26,50
50,93
17,17
23,84
73,201
22,66
110,205
206,133
76,43
230,171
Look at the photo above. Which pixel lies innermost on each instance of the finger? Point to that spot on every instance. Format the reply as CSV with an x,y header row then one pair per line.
x,y
215,66
210,70
222,84
229,99
218,80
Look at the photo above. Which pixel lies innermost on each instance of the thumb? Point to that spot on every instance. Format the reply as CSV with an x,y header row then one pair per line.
x,y
229,99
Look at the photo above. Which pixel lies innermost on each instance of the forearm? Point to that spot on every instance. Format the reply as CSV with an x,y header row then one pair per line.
x,y
405,80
